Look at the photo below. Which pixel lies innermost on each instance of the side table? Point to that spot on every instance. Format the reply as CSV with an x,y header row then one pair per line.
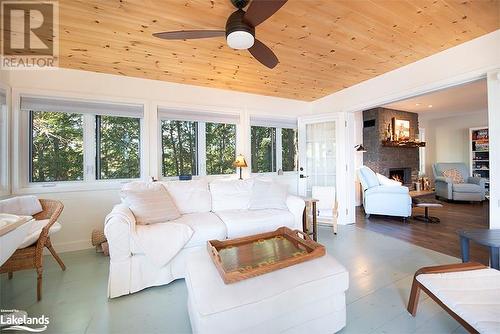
x,y
485,237
310,206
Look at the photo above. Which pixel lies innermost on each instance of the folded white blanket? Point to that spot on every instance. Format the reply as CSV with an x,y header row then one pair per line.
x,y
160,242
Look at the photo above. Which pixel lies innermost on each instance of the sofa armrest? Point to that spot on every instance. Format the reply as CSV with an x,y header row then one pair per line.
x,y
477,180
296,206
387,190
118,227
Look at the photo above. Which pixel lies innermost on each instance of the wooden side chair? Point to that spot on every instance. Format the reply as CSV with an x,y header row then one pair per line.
x,y
31,257
469,292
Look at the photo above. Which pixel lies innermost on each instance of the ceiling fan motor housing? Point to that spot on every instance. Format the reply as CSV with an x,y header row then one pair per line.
x,y
240,3
239,34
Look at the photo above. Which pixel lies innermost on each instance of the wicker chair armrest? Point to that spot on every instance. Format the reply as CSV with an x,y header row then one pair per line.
x,y
51,210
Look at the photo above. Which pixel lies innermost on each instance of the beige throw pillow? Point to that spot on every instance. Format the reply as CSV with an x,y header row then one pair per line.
x,y
150,205
454,175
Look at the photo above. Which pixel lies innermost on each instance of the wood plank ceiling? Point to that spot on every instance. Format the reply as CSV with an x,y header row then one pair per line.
x,y
323,45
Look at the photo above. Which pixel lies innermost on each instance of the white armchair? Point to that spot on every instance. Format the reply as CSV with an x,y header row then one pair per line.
x,y
390,200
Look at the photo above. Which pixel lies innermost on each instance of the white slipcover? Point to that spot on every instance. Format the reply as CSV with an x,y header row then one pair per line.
x,y
282,300
240,223
132,269
474,295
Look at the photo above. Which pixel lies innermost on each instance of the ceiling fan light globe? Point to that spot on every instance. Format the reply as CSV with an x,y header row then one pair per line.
x,y
240,40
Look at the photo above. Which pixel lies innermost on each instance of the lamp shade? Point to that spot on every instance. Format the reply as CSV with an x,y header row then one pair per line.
x,y
240,161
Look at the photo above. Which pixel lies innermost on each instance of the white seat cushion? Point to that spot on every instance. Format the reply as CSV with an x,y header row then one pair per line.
x,y
35,231
216,307
473,295
241,223
206,226
190,196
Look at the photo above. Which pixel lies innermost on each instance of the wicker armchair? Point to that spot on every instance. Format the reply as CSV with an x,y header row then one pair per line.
x,y
31,257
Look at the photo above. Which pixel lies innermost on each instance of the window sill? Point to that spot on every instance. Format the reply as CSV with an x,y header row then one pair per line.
x,y
61,187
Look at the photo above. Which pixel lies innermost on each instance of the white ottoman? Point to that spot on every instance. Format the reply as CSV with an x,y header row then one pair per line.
x,y
305,298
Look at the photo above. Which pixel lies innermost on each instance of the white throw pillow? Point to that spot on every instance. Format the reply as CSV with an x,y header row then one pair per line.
x,y
150,203
268,195
21,205
190,196
385,181
231,194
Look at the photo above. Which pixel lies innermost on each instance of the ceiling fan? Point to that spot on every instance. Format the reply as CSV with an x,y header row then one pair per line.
x,y
240,29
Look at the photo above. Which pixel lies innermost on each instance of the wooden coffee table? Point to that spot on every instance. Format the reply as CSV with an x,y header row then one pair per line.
x,y
421,193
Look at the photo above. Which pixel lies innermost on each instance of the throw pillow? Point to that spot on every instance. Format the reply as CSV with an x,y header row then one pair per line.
x,y
454,175
150,205
268,195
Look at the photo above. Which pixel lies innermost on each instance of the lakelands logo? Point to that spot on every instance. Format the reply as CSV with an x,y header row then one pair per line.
x,y
16,320
29,35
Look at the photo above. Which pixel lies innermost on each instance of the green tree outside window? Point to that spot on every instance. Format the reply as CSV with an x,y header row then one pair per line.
x,y
220,148
179,153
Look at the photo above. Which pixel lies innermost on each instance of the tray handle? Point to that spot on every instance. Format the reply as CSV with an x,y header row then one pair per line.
x,y
215,254
304,235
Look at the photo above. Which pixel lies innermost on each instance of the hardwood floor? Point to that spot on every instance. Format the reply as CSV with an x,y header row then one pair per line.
x,y
442,237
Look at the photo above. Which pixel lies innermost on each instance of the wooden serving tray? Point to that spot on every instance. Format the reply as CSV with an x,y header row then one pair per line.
x,y
242,258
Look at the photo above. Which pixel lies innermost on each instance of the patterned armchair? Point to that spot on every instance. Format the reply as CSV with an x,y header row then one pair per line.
x,y
454,183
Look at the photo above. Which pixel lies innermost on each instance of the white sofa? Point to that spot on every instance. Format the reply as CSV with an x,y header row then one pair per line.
x,y
390,199
218,210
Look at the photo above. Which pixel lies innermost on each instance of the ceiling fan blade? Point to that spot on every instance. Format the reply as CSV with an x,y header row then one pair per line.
x,y
189,34
261,10
263,54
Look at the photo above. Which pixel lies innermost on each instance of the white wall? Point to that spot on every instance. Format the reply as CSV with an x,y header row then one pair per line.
x,y
85,210
447,139
494,133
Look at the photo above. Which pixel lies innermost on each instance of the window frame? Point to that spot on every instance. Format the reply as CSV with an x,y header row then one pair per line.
x,y
202,114
5,152
20,154
278,147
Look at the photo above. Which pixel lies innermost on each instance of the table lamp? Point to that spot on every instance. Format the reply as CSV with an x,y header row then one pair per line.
x,y
240,162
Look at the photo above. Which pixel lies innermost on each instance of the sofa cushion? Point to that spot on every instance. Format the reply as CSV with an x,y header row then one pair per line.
x,y
467,188
268,195
190,196
149,202
474,295
231,194
36,229
21,205
241,223
369,177
206,226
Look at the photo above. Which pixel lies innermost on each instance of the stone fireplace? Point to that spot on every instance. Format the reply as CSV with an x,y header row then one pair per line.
x,y
393,162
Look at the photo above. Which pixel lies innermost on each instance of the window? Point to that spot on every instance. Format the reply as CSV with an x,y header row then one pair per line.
x,y
263,141
118,147
273,144
289,149
179,148
4,145
56,147
80,141
220,148
197,143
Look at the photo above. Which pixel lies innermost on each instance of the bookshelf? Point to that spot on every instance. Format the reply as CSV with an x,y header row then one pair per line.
x,y
480,154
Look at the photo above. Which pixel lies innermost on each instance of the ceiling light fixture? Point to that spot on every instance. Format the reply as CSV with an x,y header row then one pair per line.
x,y
240,40
430,105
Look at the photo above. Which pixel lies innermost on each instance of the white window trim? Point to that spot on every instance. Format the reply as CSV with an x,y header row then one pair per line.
x,y
279,148
20,153
5,186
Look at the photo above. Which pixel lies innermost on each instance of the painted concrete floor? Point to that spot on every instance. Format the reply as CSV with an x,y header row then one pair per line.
x,y
380,268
